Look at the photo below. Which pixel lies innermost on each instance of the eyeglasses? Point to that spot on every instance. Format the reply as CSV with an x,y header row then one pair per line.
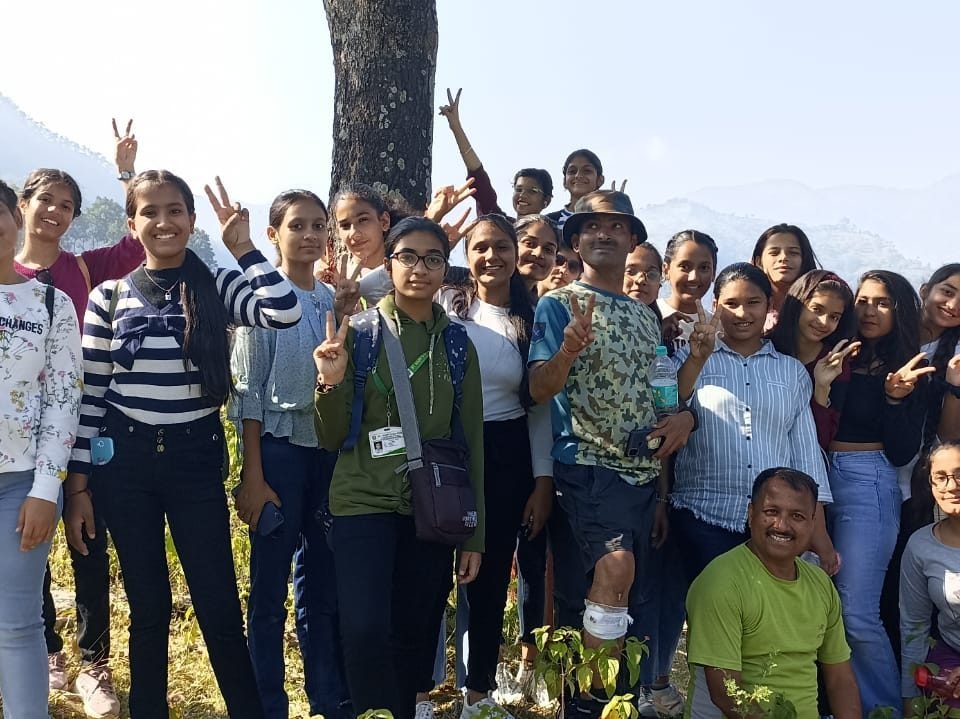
x,y
44,276
940,479
648,275
518,190
574,266
409,259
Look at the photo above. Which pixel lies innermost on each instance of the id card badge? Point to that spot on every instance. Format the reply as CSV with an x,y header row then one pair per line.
x,y
386,442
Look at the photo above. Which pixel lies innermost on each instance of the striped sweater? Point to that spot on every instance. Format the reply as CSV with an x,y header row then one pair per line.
x,y
136,362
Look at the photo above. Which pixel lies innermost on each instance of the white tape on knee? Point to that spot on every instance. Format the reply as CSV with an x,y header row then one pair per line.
x,y
605,622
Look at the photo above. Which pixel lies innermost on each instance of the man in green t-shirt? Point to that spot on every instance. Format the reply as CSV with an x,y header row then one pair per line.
x,y
760,616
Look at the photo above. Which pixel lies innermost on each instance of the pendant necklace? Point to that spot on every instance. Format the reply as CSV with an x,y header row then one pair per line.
x,y
167,293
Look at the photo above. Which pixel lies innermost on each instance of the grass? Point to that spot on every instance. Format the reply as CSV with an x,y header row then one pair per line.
x,y
193,692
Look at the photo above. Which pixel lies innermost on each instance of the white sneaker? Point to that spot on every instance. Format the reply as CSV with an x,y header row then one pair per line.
x,y
668,701
425,710
94,684
508,689
645,704
57,667
532,687
484,708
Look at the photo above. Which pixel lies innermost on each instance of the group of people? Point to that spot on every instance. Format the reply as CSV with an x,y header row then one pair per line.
x,y
797,503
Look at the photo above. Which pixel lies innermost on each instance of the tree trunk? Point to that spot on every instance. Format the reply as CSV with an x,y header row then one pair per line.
x,y
384,60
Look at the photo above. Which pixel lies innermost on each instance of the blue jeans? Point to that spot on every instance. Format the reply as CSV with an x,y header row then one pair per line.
x,y
301,478
700,542
864,520
23,653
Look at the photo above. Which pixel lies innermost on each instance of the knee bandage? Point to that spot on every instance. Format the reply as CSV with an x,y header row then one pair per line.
x,y
605,622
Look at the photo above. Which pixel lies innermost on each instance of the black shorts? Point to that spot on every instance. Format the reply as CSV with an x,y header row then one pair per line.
x,y
606,513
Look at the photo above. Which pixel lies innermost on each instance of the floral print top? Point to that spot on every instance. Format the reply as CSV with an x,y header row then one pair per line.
x,y
40,384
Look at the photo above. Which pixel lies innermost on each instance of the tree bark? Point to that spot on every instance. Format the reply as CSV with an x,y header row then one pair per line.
x,y
384,60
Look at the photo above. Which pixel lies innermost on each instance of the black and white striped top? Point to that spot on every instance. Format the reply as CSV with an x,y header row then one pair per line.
x,y
136,363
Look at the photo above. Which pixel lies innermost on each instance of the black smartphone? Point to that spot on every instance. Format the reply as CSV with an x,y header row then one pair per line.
x,y
641,444
271,520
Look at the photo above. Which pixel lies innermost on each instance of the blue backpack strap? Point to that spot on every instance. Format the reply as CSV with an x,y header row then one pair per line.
x,y
455,342
366,349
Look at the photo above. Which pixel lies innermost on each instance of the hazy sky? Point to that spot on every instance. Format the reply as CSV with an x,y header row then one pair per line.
x,y
674,96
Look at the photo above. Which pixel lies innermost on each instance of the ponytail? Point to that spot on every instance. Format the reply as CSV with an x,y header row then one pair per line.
x,y
205,341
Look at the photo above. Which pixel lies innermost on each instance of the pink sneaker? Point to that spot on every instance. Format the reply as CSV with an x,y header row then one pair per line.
x,y
94,684
57,666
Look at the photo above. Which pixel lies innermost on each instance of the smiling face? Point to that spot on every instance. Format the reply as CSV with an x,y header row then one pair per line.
x,y
874,309
49,212
781,259
162,223
567,269
416,282
742,307
641,279
781,522
361,229
302,235
941,303
491,256
820,316
945,479
580,177
604,241
538,252
689,273
528,197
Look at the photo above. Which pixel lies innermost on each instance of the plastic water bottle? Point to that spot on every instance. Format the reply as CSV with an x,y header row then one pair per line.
x,y
663,381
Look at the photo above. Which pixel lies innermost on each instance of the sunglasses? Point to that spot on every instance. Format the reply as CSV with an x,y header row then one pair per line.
x,y
574,266
44,276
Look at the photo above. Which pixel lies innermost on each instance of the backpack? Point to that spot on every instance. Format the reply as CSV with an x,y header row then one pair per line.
x,y
366,350
48,301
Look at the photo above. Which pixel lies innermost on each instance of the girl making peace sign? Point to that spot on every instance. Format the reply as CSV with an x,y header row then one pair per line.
x,y
156,361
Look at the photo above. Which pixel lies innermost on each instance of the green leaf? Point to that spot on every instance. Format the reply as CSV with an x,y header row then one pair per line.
x,y
609,668
584,677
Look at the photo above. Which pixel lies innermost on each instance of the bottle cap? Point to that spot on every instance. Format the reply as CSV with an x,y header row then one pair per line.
x,y
661,351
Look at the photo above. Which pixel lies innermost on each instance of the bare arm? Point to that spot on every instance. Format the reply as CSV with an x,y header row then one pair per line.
x,y
703,340
717,685
548,378
687,376
842,690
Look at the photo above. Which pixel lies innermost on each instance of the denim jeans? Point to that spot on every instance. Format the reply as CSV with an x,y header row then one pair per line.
x,y
173,474
531,582
392,589
91,579
301,478
700,542
23,654
864,520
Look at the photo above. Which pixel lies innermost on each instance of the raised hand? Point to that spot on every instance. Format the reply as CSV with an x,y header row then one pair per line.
x,y
326,268
703,338
670,328
901,383
953,371
446,198
456,231
451,110
330,356
622,188
578,334
347,293
126,153
234,221
831,364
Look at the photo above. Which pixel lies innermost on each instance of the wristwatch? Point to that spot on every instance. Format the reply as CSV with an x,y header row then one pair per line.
x,y
126,175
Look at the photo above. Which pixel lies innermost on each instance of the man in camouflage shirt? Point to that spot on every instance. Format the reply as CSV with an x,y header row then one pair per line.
x,y
589,354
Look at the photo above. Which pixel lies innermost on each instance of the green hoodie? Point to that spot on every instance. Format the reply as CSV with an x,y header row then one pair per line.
x,y
364,485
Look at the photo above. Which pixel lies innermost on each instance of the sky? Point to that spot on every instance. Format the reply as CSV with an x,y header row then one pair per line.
x,y
672,96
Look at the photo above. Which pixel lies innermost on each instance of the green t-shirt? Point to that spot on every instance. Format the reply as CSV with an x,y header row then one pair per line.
x,y
742,618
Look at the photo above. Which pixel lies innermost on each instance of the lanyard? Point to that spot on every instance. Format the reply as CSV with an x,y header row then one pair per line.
x,y
411,371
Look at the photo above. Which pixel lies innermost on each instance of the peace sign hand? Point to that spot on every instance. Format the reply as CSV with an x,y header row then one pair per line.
x,y
456,231
901,383
830,365
126,153
347,293
703,338
234,221
451,110
446,198
330,356
622,188
578,334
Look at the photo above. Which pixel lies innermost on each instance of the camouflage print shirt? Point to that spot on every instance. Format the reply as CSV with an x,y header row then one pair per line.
x,y
607,393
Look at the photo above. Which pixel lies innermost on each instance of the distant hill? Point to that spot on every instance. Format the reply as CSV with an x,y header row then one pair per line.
x,y
852,228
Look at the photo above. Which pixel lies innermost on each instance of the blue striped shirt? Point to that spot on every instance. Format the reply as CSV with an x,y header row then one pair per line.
x,y
136,362
754,414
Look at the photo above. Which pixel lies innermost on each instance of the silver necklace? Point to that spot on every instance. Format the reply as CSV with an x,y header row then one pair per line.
x,y
167,293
